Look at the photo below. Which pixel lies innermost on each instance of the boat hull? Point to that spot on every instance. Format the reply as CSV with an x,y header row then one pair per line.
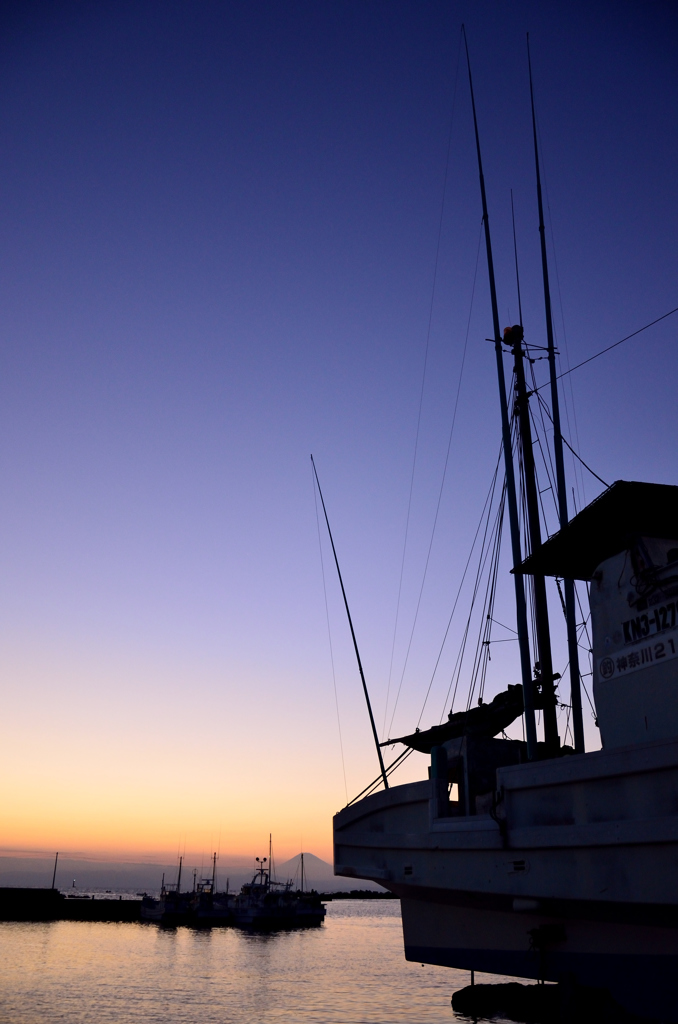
x,y
572,876
636,964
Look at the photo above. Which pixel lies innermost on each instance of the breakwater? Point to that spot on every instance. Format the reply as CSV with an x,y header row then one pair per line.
x,y
51,905
30,904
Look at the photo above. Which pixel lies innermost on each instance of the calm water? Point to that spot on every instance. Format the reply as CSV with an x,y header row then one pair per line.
x,y
349,971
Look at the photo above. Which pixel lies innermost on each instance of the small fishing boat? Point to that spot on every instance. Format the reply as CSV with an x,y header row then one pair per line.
x,y
210,908
266,904
171,907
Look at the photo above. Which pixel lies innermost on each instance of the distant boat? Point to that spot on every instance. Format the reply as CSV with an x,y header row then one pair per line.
x,y
172,907
263,903
266,904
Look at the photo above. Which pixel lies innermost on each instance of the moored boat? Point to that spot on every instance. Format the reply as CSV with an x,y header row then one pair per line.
x,y
267,904
530,858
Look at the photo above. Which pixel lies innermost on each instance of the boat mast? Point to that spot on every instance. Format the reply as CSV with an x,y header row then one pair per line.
x,y
382,769
570,609
544,671
302,872
179,875
56,861
521,610
214,871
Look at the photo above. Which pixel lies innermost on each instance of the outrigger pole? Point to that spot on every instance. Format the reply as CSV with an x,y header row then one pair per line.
x,y
355,642
521,610
570,611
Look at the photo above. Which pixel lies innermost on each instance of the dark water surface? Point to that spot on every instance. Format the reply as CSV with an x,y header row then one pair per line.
x,y
349,971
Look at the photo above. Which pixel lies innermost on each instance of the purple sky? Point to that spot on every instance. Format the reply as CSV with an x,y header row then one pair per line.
x,y
218,232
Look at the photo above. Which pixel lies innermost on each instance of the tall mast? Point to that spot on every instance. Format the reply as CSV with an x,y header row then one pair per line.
x,y
382,769
179,875
544,674
521,611
570,608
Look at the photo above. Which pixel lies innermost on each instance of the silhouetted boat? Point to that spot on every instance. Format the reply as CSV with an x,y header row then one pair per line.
x,y
512,858
172,907
266,904
262,903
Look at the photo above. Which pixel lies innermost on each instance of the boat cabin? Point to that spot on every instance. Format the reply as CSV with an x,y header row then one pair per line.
x,y
625,545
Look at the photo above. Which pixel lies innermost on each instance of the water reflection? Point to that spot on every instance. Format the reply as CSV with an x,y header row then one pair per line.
x,y
351,970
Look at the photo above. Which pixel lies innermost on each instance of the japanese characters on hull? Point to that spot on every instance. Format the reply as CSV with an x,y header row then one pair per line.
x,y
634,615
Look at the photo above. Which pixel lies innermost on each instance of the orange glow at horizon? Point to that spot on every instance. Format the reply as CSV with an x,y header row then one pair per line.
x,y
85,776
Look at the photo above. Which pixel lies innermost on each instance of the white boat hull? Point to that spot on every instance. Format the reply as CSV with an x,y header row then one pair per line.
x,y
573,876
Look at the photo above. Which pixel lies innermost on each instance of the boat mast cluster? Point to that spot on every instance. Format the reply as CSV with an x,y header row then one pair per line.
x,y
538,692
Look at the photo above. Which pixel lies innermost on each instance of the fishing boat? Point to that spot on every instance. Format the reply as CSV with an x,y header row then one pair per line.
x,y
267,904
209,907
171,907
533,858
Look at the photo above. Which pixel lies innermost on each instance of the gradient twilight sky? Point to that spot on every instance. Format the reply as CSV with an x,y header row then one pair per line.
x,y
218,233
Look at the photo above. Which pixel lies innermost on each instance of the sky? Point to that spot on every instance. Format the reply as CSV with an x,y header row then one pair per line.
x,y
234,234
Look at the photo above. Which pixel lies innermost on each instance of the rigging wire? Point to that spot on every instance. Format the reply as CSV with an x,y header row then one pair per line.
x,y
488,502
548,466
423,381
565,441
443,478
329,636
482,652
389,771
484,550
614,345
584,464
540,491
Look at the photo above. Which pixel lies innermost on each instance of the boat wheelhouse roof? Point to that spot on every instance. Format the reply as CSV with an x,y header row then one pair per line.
x,y
607,526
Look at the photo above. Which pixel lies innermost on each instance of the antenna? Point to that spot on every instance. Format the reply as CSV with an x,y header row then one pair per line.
x,y
515,254
355,642
570,610
521,610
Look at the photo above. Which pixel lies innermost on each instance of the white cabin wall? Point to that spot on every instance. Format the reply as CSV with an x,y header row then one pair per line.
x,y
635,667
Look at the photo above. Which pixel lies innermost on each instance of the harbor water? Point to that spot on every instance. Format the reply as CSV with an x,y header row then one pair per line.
x,y
351,970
